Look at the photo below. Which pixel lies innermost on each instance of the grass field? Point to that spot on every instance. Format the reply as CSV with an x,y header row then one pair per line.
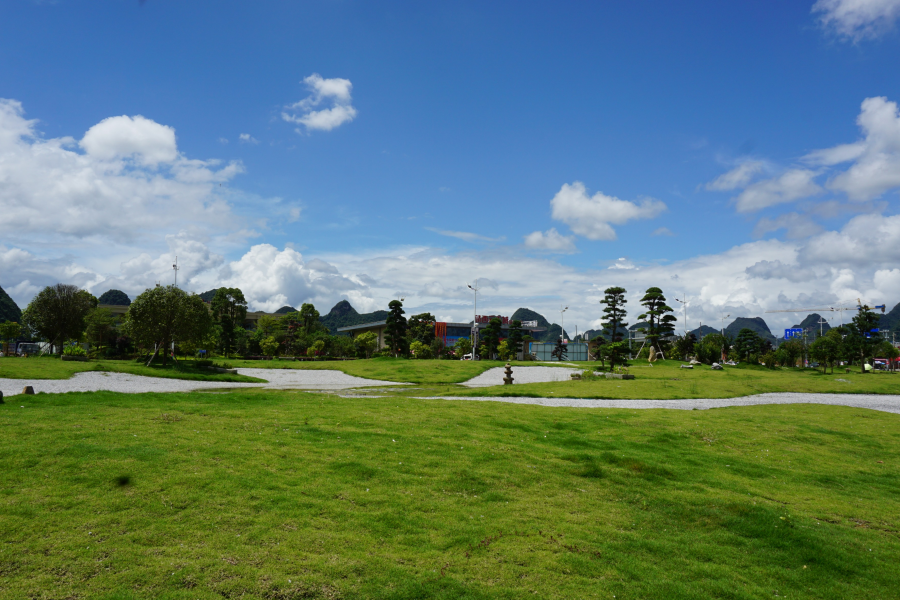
x,y
49,367
665,380
288,495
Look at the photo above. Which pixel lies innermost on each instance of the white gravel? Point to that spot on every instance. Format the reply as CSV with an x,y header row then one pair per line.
x,y
521,375
93,381
883,403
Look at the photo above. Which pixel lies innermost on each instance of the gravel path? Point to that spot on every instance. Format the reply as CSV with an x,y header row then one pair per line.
x,y
93,381
883,403
521,375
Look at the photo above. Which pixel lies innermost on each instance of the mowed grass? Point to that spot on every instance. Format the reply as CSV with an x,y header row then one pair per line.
x,y
265,494
387,369
50,367
666,380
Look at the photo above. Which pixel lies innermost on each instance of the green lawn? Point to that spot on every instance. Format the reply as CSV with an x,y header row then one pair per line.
x,y
665,380
387,369
288,495
49,367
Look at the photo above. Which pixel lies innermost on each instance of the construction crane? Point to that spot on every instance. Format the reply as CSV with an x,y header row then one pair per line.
x,y
840,309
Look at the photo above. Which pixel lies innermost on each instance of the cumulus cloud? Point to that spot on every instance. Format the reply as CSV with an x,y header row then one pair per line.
x,y
857,19
552,241
736,178
129,182
866,240
876,158
790,186
246,138
336,91
118,137
593,216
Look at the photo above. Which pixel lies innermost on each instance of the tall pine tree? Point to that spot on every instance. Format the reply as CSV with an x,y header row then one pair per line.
x,y
614,315
659,320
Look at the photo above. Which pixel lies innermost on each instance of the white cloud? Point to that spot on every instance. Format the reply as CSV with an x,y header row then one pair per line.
x,y
552,241
465,236
797,226
336,91
736,178
866,240
775,269
876,159
790,186
591,216
120,137
857,19
246,138
663,231
129,184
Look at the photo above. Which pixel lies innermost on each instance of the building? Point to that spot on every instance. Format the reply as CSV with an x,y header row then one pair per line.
x,y
448,332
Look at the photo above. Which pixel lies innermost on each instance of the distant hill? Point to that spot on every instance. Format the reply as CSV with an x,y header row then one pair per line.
x,y
811,322
553,329
343,314
115,298
890,320
705,330
756,324
285,310
208,296
9,310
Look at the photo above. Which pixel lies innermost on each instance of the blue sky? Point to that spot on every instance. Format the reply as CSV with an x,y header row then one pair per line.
x,y
746,154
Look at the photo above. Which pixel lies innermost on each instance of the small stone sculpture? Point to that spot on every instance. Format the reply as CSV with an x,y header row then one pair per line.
x,y
652,354
1,397
716,367
509,378
28,390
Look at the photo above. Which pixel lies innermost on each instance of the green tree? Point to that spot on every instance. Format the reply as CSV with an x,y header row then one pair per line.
x,y
683,346
268,326
462,346
826,350
421,328
367,343
790,351
309,318
490,337
269,346
863,324
596,346
657,316
9,332
115,298
515,338
747,343
229,309
614,316
395,332
163,315
560,350
58,313
420,350
101,323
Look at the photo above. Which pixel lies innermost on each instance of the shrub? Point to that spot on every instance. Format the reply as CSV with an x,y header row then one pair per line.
x,y
73,349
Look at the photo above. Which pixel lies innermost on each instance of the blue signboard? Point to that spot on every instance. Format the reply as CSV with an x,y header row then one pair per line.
x,y
793,333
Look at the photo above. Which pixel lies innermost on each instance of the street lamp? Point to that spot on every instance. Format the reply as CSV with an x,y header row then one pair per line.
x,y
562,334
176,269
474,288
723,324
684,310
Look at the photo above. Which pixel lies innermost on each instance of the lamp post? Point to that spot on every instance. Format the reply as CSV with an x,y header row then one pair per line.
x,y
723,324
562,334
474,288
176,269
684,311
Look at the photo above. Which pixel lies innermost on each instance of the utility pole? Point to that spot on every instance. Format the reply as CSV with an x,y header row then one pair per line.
x,y
822,322
562,334
475,319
